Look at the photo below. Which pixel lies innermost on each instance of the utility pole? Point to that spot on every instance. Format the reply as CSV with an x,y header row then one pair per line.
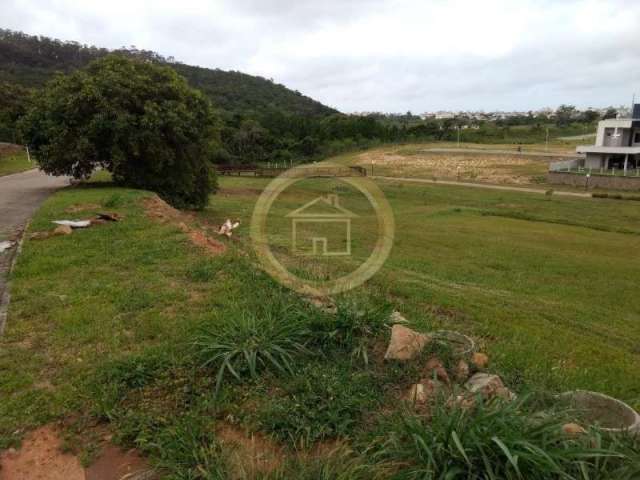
x,y
28,156
546,141
458,127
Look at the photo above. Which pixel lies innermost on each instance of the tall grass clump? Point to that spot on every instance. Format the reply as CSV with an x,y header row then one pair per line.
x,y
353,328
249,343
504,441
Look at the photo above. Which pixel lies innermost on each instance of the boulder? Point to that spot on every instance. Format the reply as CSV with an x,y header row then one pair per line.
x,y
425,392
489,386
435,368
480,360
461,371
63,230
573,430
405,343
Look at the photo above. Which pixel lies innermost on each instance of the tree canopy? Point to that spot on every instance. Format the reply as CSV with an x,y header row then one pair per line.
x,y
136,119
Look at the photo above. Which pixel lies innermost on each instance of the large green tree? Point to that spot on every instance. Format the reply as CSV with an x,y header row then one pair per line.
x,y
136,119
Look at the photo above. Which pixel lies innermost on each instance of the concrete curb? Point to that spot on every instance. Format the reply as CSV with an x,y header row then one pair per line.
x,y
6,295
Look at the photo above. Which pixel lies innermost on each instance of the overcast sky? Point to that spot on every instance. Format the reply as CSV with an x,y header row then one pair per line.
x,y
377,55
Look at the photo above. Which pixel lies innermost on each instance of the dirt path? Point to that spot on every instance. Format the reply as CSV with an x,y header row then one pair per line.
x,y
526,153
20,196
483,185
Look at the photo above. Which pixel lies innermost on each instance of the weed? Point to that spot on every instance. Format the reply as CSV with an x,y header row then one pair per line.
x,y
248,343
500,440
339,464
321,402
354,328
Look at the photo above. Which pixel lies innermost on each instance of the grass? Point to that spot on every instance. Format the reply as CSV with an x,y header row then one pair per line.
x,y
503,441
14,163
103,322
539,279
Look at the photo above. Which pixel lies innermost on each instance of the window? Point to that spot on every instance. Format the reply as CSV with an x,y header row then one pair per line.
x,y
636,137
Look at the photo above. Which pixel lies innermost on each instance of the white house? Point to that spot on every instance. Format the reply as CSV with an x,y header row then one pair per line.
x,y
617,144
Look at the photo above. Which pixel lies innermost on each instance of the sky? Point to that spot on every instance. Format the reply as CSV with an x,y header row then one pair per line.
x,y
378,55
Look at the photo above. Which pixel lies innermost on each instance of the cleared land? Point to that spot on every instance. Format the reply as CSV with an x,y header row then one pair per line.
x,y
501,164
103,321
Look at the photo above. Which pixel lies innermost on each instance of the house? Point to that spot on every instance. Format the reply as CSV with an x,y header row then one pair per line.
x,y
321,227
617,145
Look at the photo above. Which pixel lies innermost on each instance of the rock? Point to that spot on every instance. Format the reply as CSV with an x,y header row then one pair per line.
x,y
480,360
405,343
461,372
465,402
573,430
397,317
435,367
424,392
62,230
489,386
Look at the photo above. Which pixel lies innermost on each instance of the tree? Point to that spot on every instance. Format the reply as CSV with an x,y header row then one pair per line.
x,y
610,113
138,120
589,116
13,100
564,114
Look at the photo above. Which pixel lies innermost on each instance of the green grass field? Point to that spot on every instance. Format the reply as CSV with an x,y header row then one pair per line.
x,y
14,163
104,323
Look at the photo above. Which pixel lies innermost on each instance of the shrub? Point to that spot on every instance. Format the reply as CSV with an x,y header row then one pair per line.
x,y
504,441
245,345
138,120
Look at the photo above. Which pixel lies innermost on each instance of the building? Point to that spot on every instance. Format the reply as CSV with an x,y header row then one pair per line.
x,y
321,227
617,145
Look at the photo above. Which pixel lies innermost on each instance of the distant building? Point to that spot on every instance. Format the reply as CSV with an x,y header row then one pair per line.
x,y
617,144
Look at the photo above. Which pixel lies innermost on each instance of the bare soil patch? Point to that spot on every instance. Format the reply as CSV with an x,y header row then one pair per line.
x,y
490,168
162,212
251,454
117,464
40,457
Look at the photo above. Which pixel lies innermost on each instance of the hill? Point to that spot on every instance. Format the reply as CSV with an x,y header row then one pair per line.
x,y
29,61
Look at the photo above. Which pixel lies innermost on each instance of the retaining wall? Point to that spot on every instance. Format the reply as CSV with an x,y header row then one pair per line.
x,y
595,181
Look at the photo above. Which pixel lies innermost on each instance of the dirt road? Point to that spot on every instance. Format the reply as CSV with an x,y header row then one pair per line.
x,y
20,195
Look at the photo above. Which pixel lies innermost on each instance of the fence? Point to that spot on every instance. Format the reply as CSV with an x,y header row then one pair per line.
x,y
253,170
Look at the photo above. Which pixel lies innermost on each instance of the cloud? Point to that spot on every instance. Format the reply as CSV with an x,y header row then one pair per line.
x,y
388,55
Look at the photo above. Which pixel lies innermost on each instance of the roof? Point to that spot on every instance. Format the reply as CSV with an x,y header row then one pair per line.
x,y
330,202
612,150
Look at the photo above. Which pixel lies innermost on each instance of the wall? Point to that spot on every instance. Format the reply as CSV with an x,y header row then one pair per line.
x,y
599,181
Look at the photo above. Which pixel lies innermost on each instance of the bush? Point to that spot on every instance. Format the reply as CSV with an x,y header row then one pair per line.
x,y
245,345
138,120
504,441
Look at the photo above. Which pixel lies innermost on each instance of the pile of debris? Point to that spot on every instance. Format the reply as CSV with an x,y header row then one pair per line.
x,y
463,381
66,227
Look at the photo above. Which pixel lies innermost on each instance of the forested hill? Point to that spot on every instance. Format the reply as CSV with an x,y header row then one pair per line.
x,y
29,61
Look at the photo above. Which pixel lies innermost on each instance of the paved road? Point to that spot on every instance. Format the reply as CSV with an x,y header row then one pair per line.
x,y
484,185
20,196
